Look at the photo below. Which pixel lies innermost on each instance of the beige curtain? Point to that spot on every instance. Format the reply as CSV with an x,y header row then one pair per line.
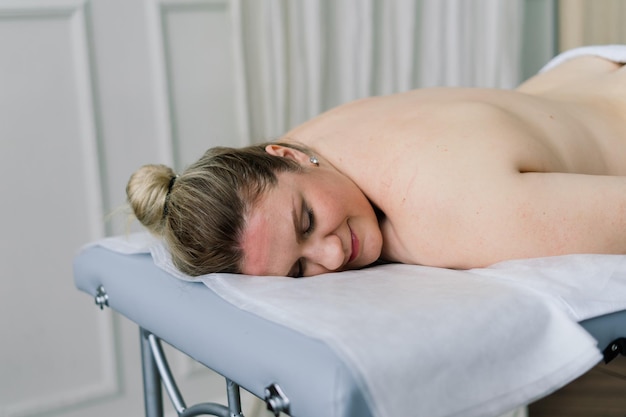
x,y
299,58
591,22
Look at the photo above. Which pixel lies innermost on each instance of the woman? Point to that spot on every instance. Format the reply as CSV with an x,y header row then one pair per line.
x,y
446,177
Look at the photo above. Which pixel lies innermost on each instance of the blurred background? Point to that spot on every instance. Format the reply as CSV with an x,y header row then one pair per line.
x,y
92,89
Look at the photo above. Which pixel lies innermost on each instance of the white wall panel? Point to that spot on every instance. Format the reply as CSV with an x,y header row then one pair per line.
x,y
198,57
51,358
90,90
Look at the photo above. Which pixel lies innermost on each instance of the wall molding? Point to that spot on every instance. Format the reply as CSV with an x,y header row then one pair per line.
x,y
167,138
161,12
40,8
76,14
109,386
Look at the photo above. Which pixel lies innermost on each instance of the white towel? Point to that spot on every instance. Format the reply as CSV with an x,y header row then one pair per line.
x,y
615,53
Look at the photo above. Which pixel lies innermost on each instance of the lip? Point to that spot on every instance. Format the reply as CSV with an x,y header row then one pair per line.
x,y
355,246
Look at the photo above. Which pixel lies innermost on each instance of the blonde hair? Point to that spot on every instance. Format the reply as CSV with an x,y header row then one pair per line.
x,y
201,213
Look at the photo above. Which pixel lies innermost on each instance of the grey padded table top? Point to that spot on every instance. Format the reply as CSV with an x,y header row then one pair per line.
x,y
239,345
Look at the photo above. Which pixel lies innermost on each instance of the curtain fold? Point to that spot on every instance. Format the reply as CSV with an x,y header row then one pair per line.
x,y
299,58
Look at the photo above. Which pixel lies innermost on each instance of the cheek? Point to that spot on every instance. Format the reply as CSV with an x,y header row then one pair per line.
x,y
339,200
352,199
339,197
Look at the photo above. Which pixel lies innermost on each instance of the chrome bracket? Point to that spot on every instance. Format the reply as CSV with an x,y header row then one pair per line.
x,y
102,298
276,400
615,348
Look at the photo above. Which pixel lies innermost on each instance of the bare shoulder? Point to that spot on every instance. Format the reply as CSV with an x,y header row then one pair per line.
x,y
428,127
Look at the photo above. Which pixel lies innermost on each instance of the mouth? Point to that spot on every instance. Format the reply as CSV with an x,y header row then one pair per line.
x,y
355,246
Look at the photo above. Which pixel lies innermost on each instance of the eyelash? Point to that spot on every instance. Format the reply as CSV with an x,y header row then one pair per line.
x,y
308,231
300,272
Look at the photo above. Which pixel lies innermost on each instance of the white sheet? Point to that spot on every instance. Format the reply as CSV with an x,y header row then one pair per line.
x,y
455,343
583,286
427,341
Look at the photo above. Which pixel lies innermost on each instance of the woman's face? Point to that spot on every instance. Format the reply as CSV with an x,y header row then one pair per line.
x,y
310,223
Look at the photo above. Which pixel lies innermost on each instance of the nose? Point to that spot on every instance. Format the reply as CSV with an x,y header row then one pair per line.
x,y
326,252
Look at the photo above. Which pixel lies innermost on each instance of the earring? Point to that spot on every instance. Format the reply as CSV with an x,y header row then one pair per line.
x,y
314,161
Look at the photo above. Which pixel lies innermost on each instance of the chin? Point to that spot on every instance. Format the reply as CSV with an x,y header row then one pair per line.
x,y
372,257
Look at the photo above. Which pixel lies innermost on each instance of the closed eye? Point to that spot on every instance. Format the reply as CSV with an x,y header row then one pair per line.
x,y
297,270
310,227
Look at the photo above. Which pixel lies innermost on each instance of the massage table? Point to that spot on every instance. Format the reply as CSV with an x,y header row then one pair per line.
x,y
385,341
354,344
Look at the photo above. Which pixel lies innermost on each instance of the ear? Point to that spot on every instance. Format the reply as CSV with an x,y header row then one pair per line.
x,y
287,152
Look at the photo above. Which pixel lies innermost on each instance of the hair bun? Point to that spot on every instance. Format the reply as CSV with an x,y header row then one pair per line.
x,y
146,192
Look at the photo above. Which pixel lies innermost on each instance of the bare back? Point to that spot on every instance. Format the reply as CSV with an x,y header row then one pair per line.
x,y
469,177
